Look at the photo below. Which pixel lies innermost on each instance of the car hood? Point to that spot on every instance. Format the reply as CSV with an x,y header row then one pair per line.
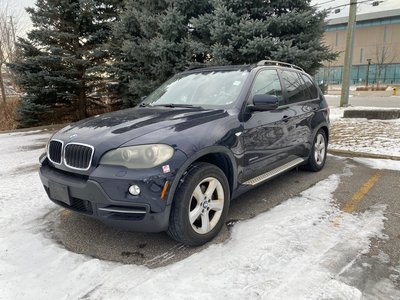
x,y
112,130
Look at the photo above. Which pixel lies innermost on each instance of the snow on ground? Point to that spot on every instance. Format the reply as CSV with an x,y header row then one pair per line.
x,y
336,113
363,135
19,196
296,250
379,164
368,108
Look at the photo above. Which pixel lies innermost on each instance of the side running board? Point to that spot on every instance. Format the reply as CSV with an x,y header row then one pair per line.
x,y
274,172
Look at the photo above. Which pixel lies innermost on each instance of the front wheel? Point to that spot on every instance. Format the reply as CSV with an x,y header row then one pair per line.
x,y
317,157
200,205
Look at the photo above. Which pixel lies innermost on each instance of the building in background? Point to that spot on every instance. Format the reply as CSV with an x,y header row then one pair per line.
x,y
376,52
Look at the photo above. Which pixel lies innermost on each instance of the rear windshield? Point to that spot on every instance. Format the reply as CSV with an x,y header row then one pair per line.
x,y
211,88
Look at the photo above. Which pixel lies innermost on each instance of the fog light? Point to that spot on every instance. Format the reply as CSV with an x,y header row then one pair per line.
x,y
134,190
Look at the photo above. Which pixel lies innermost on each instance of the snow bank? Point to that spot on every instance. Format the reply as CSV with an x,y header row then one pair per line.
x,y
380,164
372,108
335,113
362,135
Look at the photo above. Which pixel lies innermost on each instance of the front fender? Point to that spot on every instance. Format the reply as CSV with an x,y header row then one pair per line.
x,y
208,150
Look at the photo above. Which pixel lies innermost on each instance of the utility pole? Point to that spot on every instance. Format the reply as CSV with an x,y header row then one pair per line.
x,y
348,55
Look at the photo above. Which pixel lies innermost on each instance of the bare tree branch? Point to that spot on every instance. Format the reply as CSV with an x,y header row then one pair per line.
x,y
8,29
383,57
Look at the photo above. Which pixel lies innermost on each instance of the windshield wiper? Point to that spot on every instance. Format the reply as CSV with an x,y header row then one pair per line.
x,y
172,105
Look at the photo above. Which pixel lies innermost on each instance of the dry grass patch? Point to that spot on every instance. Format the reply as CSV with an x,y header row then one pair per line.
x,y
8,115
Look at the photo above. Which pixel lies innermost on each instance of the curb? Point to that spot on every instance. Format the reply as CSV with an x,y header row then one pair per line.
x,y
386,114
348,153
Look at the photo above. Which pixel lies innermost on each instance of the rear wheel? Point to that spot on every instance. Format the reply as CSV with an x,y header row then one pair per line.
x,y
317,157
200,205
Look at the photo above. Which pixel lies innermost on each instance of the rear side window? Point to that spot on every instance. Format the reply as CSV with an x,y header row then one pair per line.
x,y
267,82
296,89
311,86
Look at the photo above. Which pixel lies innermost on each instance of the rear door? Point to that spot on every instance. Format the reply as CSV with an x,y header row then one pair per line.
x,y
302,103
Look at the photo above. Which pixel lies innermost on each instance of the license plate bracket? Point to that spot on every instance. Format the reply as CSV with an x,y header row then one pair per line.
x,y
59,192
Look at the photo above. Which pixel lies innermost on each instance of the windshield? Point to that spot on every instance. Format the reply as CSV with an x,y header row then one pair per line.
x,y
211,88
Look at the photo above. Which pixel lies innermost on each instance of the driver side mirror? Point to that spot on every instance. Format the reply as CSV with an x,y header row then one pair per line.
x,y
264,102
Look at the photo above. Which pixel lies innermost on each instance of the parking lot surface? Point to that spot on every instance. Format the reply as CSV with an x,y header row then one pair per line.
x,y
332,234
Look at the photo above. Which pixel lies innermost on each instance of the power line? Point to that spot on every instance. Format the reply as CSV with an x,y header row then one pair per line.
x,y
364,2
348,4
322,3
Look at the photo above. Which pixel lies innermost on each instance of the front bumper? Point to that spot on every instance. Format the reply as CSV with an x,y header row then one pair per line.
x,y
86,196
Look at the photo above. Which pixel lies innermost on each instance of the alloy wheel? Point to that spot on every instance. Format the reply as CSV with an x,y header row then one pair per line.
x,y
319,149
206,205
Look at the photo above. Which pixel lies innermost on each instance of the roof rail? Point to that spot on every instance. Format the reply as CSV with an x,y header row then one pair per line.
x,y
278,63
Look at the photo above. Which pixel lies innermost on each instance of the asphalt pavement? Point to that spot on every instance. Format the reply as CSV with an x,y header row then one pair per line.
x,y
371,100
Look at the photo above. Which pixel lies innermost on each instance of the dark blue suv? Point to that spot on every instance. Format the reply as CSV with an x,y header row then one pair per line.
x,y
174,162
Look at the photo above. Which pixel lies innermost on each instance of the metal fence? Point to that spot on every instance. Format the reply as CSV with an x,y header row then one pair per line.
x,y
390,74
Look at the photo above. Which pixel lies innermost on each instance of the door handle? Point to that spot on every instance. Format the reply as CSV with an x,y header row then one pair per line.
x,y
285,118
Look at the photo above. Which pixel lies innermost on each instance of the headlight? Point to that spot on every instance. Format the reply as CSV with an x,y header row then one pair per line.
x,y
138,157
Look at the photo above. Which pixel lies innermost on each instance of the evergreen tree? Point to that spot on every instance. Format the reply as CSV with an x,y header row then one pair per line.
x,y
150,44
246,31
62,60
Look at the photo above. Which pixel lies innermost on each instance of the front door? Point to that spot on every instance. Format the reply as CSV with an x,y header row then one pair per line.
x,y
265,132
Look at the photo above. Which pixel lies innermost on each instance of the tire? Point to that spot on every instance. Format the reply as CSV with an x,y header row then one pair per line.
x,y
203,196
317,158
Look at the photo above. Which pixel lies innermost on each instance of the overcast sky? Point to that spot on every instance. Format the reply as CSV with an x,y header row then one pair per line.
x,y
16,8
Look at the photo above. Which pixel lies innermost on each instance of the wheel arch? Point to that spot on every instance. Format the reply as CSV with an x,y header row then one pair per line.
x,y
325,128
220,156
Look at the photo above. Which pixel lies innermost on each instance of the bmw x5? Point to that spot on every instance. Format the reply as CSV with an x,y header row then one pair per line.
x,y
175,162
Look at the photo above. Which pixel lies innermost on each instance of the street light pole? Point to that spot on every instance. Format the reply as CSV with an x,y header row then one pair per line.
x,y
366,77
348,55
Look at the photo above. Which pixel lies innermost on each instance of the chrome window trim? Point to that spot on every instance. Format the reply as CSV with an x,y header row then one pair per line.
x,y
80,144
62,151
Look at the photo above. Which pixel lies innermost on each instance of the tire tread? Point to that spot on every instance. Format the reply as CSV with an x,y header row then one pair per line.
x,y
176,228
311,164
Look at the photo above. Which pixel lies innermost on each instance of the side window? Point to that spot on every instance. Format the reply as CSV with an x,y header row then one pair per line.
x,y
296,89
311,86
267,82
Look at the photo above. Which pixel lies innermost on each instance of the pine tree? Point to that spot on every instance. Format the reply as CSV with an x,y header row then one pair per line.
x,y
63,58
150,44
245,31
